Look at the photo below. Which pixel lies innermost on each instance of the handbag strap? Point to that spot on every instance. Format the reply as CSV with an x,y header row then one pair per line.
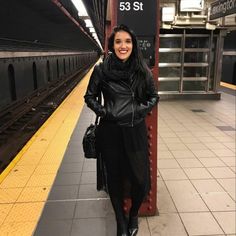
x,y
100,102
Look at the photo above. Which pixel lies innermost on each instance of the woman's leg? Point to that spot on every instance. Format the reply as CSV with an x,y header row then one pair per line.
x,y
115,188
138,193
112,150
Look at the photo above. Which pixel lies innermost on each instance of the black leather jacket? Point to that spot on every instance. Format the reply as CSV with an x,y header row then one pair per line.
x,y
120,103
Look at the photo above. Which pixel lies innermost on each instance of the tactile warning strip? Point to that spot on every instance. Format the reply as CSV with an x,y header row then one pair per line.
x,y
26,182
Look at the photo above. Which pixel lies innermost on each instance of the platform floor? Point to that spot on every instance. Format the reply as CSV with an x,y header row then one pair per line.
x,y
51,191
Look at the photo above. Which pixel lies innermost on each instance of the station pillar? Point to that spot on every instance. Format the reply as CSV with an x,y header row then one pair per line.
x,y
143,18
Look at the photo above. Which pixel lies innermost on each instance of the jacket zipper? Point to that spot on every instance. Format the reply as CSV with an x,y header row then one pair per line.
x,y
132,122
132,94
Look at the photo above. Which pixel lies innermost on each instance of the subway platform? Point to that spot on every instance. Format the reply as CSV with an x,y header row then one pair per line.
x,y
50,188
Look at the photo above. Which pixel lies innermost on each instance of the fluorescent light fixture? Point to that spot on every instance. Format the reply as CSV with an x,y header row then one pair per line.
x,y
92,30
80,7
83,13
88,23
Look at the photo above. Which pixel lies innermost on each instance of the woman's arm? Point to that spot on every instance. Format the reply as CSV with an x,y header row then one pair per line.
x,y
93,92
152,97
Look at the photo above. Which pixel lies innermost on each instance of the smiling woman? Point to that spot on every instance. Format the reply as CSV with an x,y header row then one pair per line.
x,y
129,94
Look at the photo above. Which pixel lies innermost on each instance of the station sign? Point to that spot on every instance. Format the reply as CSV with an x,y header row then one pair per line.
x,y
222,8
140,16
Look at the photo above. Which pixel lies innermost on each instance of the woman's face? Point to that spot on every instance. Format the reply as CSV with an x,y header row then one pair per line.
x,y
123,45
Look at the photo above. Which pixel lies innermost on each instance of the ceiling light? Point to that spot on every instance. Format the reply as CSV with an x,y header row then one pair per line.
x,y
80,7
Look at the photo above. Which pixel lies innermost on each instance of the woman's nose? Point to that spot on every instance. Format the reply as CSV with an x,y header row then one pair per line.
x,y
123,44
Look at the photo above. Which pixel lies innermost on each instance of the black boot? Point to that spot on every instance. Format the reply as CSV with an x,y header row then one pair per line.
x,y
122,228
133,225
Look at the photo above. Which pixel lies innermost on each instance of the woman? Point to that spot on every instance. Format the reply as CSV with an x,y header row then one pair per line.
x,y
129,94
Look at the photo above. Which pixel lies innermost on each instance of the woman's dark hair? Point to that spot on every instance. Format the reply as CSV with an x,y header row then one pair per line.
x,y
136,56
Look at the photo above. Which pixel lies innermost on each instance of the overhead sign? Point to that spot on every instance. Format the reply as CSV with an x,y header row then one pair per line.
x,y
222,8
191,6
140,16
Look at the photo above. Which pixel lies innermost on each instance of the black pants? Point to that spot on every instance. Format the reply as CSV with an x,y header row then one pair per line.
x,y
125,153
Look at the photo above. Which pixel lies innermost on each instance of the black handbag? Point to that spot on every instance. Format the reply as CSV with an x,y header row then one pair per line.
x,y
89,139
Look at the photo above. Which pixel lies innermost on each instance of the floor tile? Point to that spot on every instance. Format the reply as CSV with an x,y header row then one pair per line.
x,y
200,223
211,162
17,228
226,221
189,140
207,186
34,194
9,195
225,139
203,153
166,224
67,179
144,227
208,139
22,170
73,158
196,146
229,161
230,145
41,180
14,181
176,146
55,210
45,169
221,172
4,210
89,166
71,167
168,135
53,227
162,147
90,191
63,192
218,201
165,203
97,226
216,145
229,186
93,208
173,174
167,163
165,155
171,140
197,173
224,152
201,134
193,162
183,154
88,178
184,134
20,212
185,196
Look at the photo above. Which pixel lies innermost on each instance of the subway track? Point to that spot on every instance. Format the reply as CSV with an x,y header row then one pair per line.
x,y
22,119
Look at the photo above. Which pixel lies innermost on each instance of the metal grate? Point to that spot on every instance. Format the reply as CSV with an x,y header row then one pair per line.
x,y
226,128
197,110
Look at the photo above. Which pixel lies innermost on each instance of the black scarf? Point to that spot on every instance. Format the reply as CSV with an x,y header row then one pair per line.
x,y
116,69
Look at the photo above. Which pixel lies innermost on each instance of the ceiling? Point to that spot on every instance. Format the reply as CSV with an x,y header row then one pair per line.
x,y
43,25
